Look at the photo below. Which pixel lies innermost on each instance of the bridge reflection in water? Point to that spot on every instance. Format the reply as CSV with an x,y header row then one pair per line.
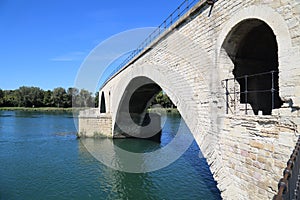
x,y
188,177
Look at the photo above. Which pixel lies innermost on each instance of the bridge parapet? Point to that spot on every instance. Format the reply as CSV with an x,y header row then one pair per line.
x,y
179,16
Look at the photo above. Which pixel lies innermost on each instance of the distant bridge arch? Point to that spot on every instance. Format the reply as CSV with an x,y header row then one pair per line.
x,y
102,103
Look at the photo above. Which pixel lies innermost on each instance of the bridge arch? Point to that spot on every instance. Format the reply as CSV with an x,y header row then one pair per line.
x,y
179,92
193,106
251,43
266,14
102,103
132,85
132,119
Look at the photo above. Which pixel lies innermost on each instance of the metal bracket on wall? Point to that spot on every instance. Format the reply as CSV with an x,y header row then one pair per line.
x,y
211,4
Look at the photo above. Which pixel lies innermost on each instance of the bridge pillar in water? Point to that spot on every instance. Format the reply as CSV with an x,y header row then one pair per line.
x,y
135,125
92,123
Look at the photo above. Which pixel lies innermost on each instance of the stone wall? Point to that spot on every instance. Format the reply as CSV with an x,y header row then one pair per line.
x,y
255,150
94,124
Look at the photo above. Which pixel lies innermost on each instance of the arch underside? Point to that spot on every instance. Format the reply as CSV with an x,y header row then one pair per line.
x,y
133,119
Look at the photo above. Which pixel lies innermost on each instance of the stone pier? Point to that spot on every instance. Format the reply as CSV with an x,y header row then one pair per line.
x,y
92,123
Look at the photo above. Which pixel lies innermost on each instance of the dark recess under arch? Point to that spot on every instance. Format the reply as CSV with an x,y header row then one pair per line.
x,y
252,47
102,105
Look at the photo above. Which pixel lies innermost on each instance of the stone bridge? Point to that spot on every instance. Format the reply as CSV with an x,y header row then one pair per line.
x,y
233,73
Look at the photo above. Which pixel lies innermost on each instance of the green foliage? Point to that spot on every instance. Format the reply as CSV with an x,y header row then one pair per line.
x,y
29,96
96,99
72,94
10,98
163,99
48,99
35,97
86,99
60,97
1,97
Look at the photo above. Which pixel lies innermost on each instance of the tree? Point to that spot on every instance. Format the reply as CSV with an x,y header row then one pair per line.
x,y
22,95
59,97
36,97
163,99
96,99
1,97
72,94
48,99
29,96
10,98
86,99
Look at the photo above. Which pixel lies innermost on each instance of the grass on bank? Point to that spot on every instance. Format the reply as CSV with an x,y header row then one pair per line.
x,y
162,110
76,110
41,109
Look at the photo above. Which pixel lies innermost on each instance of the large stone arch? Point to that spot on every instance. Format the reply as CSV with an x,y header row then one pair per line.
x,y
151,74
245,21
194,111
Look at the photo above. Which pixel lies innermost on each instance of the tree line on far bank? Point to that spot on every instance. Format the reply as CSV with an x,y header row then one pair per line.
x,y
61,98
37,97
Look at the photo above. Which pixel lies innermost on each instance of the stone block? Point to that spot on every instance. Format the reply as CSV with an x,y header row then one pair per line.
x,y
261,159
256,144
286,139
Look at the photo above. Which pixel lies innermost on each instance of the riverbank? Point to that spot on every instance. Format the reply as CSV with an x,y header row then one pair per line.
x,y
42,109
163,110
76,110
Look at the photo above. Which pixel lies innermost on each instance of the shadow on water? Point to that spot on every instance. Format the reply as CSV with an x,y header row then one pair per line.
x,y
115,183
188,177
41,157
193,157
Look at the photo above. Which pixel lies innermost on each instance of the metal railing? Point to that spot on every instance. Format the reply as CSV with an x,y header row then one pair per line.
x,y
288,186
182,9
245,79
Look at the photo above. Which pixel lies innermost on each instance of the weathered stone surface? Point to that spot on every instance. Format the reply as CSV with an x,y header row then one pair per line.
x,y
94,124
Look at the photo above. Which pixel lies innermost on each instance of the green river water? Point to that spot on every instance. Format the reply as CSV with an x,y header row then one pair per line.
x,y
40,158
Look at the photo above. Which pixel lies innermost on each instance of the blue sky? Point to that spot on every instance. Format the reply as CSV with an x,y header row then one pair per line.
x,y
44,42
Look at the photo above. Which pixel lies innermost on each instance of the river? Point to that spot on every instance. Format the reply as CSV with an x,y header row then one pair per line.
x,y
40,158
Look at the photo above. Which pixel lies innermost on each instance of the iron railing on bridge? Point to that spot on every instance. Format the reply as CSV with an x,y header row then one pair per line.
x,y
232,93
182,9
289,185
